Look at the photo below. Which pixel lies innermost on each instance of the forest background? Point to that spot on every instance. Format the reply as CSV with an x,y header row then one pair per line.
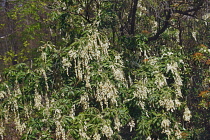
x,y
104,69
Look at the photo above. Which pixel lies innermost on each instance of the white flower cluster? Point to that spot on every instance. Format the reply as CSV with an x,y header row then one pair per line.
x,y
2,129
149,138
15,107
46,111
84,100
72,55
205,17
177,32
160,79
8,89
178,90
141,8
2,94
37,99
6,113
165,124
167,132
17,90
43,72
83,130
117,123
44,56
118,73
66,64
96,136
167,54
72,111
60,131
20,127
87,77
78,70
177,102
57,114
187,114
26,111
117,68
131,124
118,59
194,35
178,133
106,92
168,104
206,81
107,131
173,67
83,134
141,92
92,47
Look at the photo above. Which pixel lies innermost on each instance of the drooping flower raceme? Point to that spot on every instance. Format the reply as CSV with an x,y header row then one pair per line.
x,y
131,124
187,114
107,131
168,104
165,123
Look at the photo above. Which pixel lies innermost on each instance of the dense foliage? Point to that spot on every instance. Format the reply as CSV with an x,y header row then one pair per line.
x,y
128,69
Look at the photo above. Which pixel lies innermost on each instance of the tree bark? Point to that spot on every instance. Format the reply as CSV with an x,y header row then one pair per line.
x,y
133,17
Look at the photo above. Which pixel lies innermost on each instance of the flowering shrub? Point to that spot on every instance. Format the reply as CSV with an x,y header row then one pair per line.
x,y
94,85
81,92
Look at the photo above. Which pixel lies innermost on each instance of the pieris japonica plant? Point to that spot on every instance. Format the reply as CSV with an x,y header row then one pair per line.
x,y
81,91
85,88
